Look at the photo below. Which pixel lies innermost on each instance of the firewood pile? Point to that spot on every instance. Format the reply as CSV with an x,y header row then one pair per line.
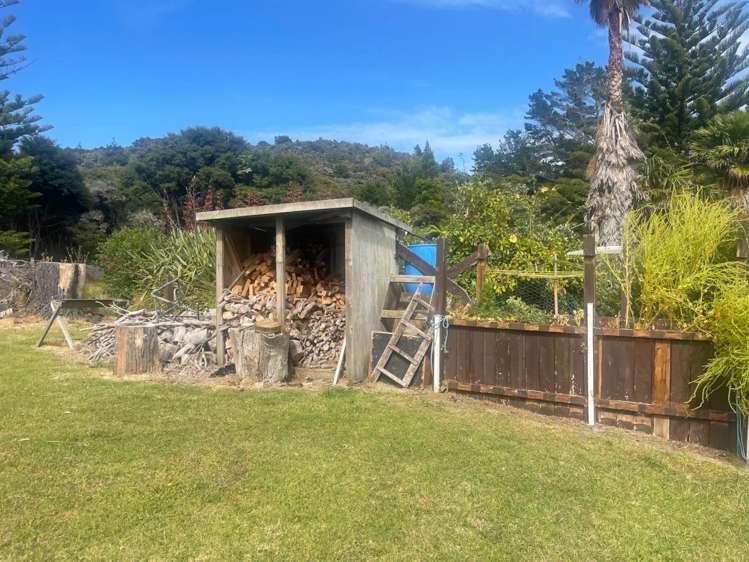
x,y
315,303
187,343
15,285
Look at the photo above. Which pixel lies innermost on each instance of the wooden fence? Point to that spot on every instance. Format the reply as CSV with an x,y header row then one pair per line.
x,y
643,378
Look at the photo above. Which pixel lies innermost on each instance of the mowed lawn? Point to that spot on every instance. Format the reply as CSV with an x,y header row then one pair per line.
x,y
93,468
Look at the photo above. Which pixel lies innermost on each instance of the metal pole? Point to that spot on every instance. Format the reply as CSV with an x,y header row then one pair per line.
x,y
589,252
591,364
437,353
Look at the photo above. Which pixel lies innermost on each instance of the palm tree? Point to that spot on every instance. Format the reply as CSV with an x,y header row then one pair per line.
x,y
722,149
612,171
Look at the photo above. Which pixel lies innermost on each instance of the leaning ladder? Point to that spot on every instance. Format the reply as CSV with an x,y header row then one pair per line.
x,y
407,322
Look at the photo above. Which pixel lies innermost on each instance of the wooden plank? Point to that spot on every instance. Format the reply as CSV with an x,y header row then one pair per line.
x,y
418,262
458,268
440,287
699,432
618,369
580,385
427,279
643,370
722,435
661,391
503,363
461,340
398,314
476,357
681,372
516,393
55,312
220,286
667,409
65,333
490,358
89,304
301,208
679,430
517,360
451,366
563,364
546,363
612,332
532,351
280,270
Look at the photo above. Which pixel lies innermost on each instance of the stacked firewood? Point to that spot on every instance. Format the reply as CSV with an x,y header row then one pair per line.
x,y
315,303
187,343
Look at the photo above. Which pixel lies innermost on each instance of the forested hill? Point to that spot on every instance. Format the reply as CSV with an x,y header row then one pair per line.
x,y
316,163
164,180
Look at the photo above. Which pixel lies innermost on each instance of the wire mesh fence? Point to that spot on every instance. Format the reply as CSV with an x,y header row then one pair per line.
x,y
546,295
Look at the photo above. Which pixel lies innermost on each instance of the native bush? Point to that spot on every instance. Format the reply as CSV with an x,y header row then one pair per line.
x,y
122,256
187,257
137,261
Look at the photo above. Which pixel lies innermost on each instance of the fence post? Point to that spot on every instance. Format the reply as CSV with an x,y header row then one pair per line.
x,y
742,255
589,253
440,304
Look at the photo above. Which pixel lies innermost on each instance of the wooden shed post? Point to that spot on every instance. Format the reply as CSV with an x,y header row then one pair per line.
x,y
220,283
280,270
589,289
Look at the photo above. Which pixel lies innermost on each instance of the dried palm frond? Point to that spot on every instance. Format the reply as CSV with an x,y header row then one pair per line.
x,y
613,176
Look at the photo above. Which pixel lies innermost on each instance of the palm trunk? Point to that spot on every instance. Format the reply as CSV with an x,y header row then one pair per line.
x,y
616,59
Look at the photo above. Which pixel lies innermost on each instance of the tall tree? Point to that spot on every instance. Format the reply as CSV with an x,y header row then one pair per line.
x,y
557,139
562,123
689,66
613,175
17,121
61,195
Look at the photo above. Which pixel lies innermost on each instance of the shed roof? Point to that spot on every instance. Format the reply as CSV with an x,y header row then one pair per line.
x,y
308,208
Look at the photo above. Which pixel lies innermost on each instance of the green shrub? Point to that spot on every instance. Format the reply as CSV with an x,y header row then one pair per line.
x,y
728,324
15,244
122,258
680,258
513,309
187,256
136,262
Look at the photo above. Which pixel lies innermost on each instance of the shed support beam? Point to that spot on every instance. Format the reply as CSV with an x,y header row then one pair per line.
x,y
280,270
220,340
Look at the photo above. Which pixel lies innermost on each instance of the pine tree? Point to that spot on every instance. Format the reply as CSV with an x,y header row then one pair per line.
x,y
17,122
690,67
562,123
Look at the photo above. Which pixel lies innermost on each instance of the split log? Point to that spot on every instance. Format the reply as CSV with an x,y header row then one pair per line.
x,y
136,350
273,359
245,344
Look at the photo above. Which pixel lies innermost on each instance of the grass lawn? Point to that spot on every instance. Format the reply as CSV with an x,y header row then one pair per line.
x,y
95,468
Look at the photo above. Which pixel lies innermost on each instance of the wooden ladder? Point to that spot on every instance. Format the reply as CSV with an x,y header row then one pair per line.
x,y
405,322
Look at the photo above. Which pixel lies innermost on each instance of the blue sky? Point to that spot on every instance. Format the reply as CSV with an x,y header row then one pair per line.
x,y
396,72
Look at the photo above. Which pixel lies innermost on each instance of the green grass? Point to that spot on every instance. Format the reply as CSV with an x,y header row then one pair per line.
x,y
95,468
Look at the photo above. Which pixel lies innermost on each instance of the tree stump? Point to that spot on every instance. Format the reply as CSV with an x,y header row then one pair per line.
x,y
273,360
136,350
245,345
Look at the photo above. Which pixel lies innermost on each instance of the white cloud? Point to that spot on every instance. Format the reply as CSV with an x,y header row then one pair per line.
x,y
549,8
450,133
